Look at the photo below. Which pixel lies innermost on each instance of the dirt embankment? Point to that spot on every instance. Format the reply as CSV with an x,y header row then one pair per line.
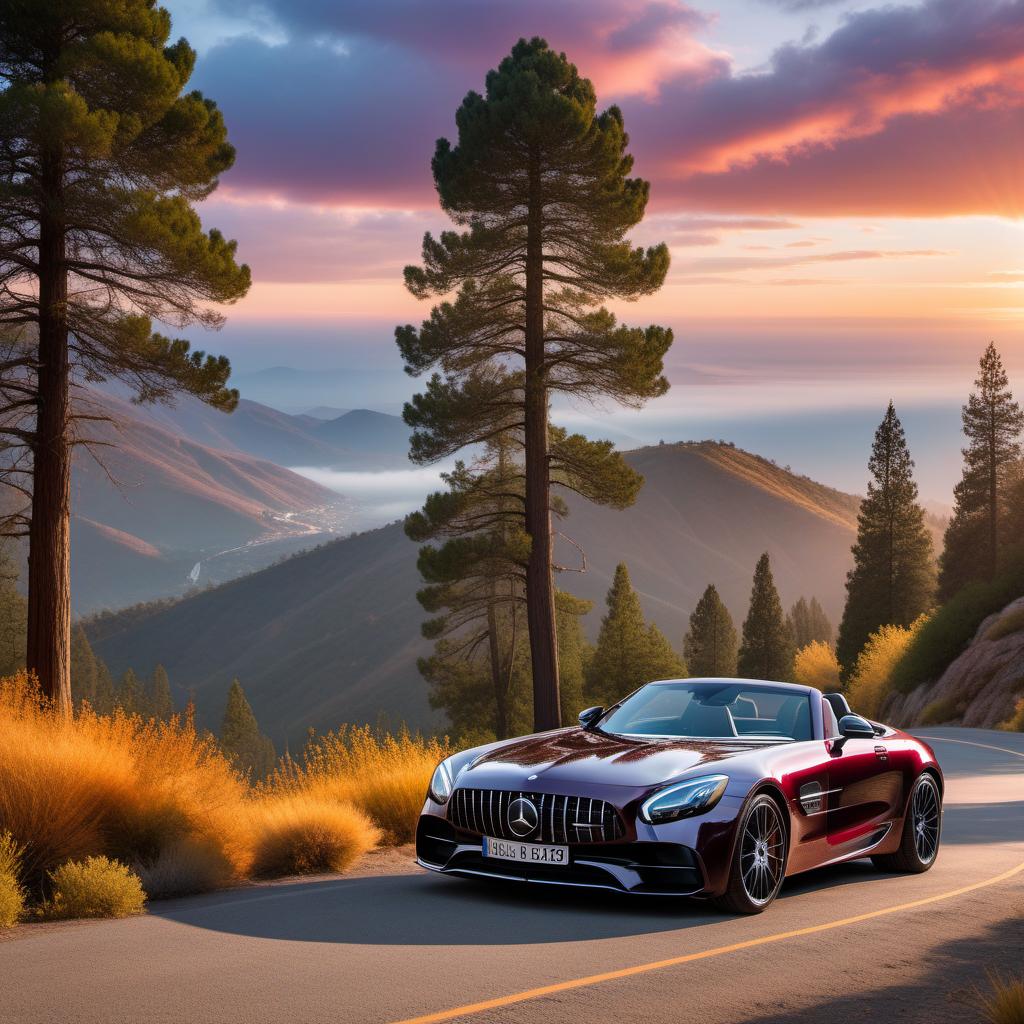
x,y
980,688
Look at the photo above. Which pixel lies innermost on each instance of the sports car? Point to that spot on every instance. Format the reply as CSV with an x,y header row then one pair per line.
x,y
716,788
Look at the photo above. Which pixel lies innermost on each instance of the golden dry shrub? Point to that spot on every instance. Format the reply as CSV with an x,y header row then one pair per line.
x,y
12,896
94,887
385,775
816,665
1003,1003
88,785
185,867
869,685
1015,723
302,834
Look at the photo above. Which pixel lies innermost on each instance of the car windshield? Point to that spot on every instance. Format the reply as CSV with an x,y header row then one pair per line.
x,y
713,710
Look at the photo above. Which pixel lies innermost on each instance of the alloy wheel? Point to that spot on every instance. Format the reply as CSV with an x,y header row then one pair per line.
x,y
925,818
762,853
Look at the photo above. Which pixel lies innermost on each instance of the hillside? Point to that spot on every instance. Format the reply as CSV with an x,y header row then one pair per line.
x,y
333,634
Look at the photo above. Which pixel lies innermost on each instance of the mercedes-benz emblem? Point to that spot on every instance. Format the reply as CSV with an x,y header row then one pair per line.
x,y
522,817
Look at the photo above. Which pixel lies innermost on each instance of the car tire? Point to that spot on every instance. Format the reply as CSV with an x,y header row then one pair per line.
x,y
922,831
759,859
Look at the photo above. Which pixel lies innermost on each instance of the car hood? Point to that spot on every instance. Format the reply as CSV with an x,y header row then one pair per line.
x,y
575,756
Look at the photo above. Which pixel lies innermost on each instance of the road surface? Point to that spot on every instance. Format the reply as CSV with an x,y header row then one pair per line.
x,y
843,944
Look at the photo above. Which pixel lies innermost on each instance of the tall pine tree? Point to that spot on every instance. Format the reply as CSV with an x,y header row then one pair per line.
x,y
629,653
993,422
809,623
539,182
893,576
104,154
247,748
710,643
161,703
766,650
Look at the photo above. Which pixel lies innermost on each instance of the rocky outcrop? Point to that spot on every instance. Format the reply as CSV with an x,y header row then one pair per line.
x,y
980,688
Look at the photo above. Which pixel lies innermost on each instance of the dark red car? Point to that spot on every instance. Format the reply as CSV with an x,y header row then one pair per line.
x,y
696,787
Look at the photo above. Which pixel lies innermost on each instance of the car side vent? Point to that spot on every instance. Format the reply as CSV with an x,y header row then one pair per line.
x,y
559,819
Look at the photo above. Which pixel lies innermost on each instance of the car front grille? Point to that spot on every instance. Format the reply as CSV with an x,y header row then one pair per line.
x,y
561,819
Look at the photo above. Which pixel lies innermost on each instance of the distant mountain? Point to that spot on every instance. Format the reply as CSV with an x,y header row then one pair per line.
x,y
325,412
332,635
357,439
291,389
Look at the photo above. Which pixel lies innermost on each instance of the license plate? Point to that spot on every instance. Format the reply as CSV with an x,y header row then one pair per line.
x,y
528,853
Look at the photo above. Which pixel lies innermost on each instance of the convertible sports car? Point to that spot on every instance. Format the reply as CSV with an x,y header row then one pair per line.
x,y
716,788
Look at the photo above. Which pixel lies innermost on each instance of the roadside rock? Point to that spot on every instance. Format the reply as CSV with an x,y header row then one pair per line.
x,y
980,688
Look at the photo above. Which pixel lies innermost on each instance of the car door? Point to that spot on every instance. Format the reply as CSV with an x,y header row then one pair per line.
x,y
865,794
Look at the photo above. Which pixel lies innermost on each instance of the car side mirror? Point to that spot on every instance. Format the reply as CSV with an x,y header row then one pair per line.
x,y
589,717
853,727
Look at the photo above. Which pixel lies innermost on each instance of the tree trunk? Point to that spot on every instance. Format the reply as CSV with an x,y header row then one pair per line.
x,y
48,652
993,500
498,676
540,596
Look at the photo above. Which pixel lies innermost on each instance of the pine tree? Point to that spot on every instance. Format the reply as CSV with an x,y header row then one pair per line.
x,y
240,737
104,698
976,534
161,703
809,624
766,650
710,643
893,576
131,697
538,180
103,156
84,670
629,653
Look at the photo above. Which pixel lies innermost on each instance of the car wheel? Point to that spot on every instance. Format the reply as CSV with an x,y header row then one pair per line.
x,y
759,860
922,830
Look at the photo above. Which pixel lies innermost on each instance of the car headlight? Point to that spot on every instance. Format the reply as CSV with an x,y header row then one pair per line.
x,y
441,782
683,800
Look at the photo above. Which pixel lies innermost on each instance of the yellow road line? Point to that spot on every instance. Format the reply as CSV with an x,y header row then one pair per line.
x,y
971,743
706,954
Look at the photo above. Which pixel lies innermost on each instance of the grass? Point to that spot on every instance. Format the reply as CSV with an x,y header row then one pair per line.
x,y
109,795
939,711
385,776
1004,1002
12,896
302,834
94,887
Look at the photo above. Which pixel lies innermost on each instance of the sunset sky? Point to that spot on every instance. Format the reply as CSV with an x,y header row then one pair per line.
x,y
838,182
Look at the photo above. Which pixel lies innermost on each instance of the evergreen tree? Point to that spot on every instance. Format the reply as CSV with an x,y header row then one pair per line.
x,y
629,653
710,643
103,156
976,534
240,737
809,624
161,703
766,650
893,576
539,181
13,614
105,698
84,670
131,697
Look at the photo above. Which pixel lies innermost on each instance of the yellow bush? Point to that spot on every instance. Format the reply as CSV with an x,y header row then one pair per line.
x,y
870,682
95,887
301,834
386,776
816,665
187,866
12,897
71,788
1015,723
1004,1004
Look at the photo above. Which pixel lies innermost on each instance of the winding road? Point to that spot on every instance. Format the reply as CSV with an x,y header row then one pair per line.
x,y
395,944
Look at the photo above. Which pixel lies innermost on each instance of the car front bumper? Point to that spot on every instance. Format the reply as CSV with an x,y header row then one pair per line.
x,y
669,860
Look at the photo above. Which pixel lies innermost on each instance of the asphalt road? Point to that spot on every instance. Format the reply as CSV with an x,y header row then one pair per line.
x,y
844,944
